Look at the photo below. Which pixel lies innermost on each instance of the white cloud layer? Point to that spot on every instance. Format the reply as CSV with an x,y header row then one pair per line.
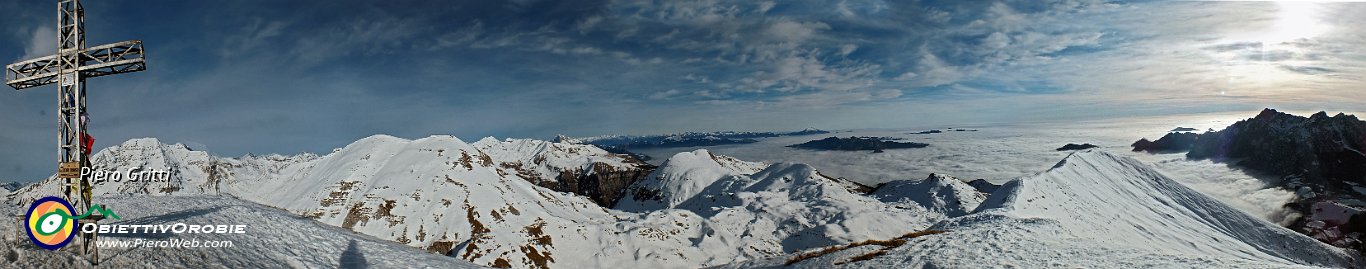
x,y
1002,152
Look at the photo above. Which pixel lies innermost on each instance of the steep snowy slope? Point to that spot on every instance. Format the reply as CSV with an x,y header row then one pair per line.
x,y
443,195
1094,209
433,193
794,207
681,178
942,194
274,239
782,208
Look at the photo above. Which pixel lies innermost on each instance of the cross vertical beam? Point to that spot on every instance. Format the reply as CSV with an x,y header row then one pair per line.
x,y
71,95
69,68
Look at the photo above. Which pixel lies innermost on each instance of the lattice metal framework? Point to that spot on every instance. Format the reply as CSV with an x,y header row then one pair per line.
x,y
69,68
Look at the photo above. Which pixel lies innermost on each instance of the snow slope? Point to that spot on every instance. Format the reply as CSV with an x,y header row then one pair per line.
x,y
274,239
781,208
446,196
1095,210
681,178
437,193
942,194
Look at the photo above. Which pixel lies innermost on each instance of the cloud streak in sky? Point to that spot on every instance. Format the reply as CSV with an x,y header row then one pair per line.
x,y
271,76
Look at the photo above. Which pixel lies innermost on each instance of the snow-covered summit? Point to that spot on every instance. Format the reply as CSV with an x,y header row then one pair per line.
x,y
683,177
940,193
784,207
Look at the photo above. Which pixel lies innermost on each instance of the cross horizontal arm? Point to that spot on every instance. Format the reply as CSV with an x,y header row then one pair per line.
x,y
116,58
32,73
103,60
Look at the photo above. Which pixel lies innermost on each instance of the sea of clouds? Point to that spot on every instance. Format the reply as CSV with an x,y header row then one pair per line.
x,y
1000,153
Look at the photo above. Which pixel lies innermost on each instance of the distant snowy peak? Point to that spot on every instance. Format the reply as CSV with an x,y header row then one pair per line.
x,y
191,172
790,206
687,175
558,139
938,192
682,177
579,168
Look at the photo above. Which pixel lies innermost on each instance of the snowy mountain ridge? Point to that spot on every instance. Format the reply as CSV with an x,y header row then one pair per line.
x,y
942,194
482,202
683,177
487,203
796,206
1096,210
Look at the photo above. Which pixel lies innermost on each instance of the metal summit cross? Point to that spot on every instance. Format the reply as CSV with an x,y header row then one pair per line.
x,y
69,68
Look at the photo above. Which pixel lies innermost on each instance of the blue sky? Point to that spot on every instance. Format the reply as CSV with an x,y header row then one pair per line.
x,y
240,77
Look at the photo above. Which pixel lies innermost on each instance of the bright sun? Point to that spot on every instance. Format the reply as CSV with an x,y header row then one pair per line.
x,y
1263,66
1295,20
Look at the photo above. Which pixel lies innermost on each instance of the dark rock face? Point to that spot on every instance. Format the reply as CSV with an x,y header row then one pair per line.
x,y
602,183
1320,157
624,151
1172,142
1323,150
1071,146
850,185
857,143
983,186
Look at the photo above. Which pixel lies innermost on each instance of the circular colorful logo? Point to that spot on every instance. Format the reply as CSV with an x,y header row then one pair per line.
x,y
50,223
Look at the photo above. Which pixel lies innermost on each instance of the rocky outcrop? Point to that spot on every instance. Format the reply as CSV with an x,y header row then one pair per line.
x,y
1170,143
1319,149
581,169
1320,157
857,143
1071,146
1323,150
602,183
983,185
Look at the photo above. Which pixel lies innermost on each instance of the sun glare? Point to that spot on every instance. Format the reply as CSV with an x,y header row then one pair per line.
x,y
1263,66
1294,20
